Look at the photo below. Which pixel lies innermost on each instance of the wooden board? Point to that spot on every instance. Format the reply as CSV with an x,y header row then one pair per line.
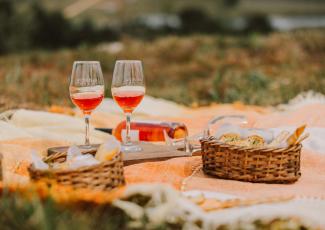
x,y
151,152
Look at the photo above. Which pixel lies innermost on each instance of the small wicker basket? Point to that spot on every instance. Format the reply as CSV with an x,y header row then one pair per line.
x,y
260,165
104,176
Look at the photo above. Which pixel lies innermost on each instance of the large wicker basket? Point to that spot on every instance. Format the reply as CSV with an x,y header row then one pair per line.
x,y
104,176
267,165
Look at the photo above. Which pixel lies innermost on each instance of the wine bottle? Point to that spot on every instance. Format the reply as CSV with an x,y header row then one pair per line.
x,y
152,131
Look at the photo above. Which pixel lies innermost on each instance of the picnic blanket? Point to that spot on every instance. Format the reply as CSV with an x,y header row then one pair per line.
x,y
311,183
40,130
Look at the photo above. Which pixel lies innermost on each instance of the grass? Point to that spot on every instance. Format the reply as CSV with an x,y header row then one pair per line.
x,y
34,213
196,70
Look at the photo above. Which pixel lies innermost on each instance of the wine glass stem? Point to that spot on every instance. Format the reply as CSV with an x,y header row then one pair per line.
x,y
128,128
87,117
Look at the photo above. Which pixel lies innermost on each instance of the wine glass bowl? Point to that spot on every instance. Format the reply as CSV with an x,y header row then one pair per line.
x,y
87,101
128,97
128,89
86,89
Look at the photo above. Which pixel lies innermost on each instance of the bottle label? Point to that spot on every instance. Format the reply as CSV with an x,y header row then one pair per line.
x,y
134,134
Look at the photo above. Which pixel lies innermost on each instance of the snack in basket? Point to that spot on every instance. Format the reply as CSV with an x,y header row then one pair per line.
x,y
75,159
259,137
81,161
235,139
108,150
266,134
239,142
295,136
255,140
251,141
230,137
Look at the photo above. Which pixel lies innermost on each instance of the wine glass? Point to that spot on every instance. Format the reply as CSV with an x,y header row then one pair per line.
x,y
86,90
128,89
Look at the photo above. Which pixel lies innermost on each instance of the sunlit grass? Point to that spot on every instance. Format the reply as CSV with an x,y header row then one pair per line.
x,y
264,70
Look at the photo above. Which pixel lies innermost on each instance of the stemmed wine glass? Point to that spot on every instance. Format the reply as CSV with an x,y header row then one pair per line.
x,y
86,90
128,89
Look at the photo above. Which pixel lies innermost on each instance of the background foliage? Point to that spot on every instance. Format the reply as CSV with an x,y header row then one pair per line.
x,y
193,70
201,61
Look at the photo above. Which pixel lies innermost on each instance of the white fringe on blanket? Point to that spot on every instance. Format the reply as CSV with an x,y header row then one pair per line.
x,y
302,99
168,205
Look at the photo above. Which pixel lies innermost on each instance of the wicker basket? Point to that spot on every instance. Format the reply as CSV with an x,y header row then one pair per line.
x,y
266,165
104,176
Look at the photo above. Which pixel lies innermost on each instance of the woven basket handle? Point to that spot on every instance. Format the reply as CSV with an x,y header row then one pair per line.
x,y
206,131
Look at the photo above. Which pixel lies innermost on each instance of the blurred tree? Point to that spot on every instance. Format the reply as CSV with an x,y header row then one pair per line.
x,y
16,24
86,32
27,25
230,3
196,21
258,23
51,29
6,10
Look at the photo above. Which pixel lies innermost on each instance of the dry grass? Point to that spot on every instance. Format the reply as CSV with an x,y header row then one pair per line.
x,y
264,70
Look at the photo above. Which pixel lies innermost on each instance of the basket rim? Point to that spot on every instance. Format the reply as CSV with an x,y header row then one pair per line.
x,y
116,158
213,140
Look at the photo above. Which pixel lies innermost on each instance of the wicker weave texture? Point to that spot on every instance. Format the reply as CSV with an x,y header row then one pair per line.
x,y
267,165
104,176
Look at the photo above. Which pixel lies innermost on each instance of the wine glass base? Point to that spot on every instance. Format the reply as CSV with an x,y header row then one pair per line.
x,y
131,148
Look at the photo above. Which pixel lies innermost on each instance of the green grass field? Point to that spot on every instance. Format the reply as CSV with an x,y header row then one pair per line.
x,y
194,70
